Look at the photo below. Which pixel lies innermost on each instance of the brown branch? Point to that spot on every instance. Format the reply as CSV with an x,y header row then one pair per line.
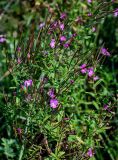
x,y
45,141
6,74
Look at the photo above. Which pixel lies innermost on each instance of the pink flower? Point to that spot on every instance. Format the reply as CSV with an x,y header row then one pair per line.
x,y
41,25
52,43
105,52
89,1
63,16
19,49
19,61
83,66
2,39
66,118
105,106
28,56
71,81
93,29
90,72
19,130
116,12
51,93
61,26
53,103
90,152
66,45
62,38
28,83
89,14
95,78
74,34
84,70
54,25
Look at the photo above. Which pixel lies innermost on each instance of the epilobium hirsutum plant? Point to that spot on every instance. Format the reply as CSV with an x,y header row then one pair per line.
x,y
58,109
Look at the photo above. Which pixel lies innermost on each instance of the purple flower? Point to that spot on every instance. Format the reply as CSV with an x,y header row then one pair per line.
x,y
105,106
49,32
93,29
52,43
41,25
90,72
83,66
90,152
66,45
66,118
105,52
63,16
51,93
71,81
61,26
84,70
89,1
2,39
53,103
74,34
54,25
28,83
19,130
95,78
62,38
19,61
28,56
19,49
89,14
116,12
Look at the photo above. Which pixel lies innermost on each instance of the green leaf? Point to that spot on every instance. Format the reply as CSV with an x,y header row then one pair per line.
x,y
96,105
72,138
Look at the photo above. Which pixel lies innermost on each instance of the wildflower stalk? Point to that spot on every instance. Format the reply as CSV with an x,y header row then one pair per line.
x,y
23,145
102,6
21,152
64,84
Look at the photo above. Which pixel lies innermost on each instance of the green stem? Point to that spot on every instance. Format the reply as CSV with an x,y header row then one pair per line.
x,y
21,152
23,145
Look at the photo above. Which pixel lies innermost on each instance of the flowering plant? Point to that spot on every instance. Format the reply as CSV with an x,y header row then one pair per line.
x,y
59,109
